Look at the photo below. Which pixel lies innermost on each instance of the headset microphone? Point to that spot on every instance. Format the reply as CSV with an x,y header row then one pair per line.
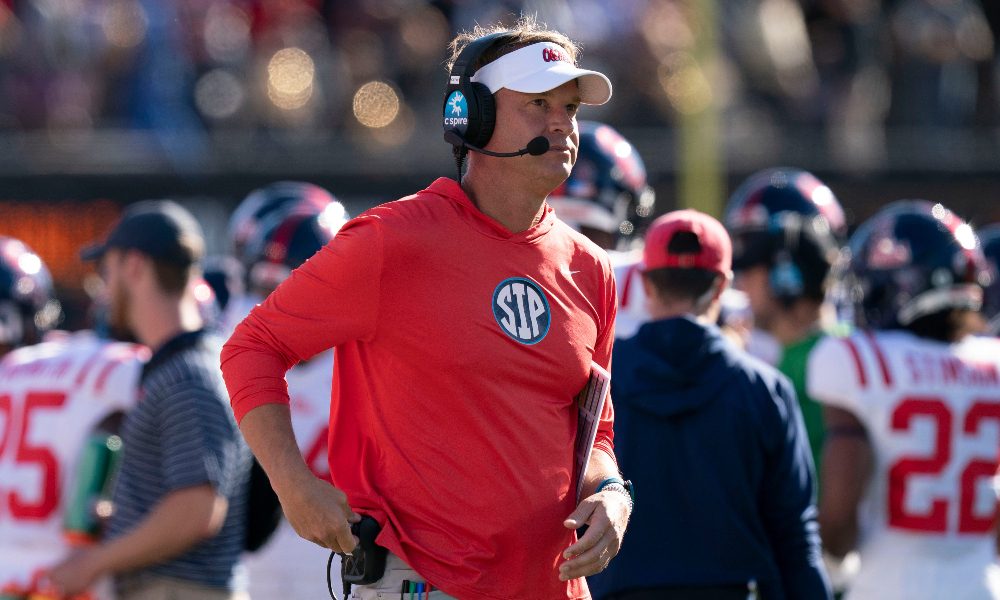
x,y
536,147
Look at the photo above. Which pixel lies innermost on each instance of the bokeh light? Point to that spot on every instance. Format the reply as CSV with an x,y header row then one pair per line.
x,y
823,196
685,84
124,24
332,216
29,263
202,292
424,32
219,94
290,77
376,104
227,32
966,237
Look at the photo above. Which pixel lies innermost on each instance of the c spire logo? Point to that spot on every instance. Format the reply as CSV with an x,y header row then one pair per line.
x,y
456,111
521,310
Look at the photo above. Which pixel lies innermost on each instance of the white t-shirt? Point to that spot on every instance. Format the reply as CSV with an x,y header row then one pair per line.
x,y
932,413
236,310
52,396
632,309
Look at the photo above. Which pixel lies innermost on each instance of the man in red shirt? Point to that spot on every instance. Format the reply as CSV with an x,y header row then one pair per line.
x,y
465,320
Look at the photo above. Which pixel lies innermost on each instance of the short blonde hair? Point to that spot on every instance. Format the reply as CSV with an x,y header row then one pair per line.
x,y
525,32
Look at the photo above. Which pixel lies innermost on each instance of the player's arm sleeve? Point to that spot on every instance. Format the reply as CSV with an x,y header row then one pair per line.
x,y
788,499
331,299
834,371
604,440
121,392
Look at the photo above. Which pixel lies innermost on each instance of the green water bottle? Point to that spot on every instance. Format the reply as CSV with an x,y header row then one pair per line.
x,y
86,510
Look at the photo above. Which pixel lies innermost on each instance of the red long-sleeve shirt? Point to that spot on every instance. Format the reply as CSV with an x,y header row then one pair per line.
x,y
459,349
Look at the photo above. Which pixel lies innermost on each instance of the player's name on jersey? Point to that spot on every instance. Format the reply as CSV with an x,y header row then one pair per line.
x,y
55,368
930,369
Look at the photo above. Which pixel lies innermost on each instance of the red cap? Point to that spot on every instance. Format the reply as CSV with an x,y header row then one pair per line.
x,y
716,249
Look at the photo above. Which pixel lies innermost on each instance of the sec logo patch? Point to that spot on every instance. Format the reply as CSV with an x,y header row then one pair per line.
x,y
522,310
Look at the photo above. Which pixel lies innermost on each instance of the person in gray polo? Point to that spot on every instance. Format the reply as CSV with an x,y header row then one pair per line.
x,y
180,498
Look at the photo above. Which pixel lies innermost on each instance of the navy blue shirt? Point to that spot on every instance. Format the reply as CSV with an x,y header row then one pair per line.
x,y
182,434
714,443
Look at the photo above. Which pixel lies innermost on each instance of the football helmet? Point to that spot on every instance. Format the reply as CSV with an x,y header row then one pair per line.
x,y
989,238
28,307
607,189
912,259
285,241
790,221
276,198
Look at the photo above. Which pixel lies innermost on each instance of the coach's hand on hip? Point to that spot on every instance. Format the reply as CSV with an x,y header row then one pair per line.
x,y
316,510
606,515
320,513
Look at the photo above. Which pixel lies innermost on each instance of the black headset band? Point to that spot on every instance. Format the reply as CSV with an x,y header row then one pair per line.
x,y
465,63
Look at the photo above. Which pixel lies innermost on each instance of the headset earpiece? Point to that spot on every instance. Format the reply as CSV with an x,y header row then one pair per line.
x,y
469,107
785,277
485,115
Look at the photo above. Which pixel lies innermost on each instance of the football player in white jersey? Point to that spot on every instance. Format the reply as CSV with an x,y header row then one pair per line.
x,y
284,237
607,198
58,402
261,207
787,227
912,407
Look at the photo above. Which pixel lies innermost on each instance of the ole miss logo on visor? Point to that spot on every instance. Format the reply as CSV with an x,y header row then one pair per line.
x,y
552,55
521,310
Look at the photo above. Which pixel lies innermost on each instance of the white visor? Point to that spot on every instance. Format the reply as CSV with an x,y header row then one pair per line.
x,y
539,68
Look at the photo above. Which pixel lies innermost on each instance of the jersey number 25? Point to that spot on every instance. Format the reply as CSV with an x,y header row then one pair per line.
x,y
16,449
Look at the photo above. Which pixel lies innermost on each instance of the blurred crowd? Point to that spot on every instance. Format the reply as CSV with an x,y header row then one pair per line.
x,y
190,69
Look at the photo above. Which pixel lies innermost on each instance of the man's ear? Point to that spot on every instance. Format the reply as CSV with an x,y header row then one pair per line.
x,y
648,287
135,265
722,284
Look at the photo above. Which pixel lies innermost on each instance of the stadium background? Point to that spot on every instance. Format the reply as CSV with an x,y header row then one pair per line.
x,y
106,102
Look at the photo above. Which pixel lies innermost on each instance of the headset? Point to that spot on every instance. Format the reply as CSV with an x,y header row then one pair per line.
x,y
784,276
476,126
469,111
803,252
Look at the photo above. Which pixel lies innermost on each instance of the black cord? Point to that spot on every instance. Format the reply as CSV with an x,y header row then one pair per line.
x,y
460,153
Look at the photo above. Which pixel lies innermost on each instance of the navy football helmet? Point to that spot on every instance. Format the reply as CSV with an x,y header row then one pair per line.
x,y
911,260
28,307
989,238
285,241
790,221
273,199
607,189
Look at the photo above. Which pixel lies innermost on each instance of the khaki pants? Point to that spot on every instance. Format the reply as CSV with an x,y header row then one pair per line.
x,y
154,587
391,585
